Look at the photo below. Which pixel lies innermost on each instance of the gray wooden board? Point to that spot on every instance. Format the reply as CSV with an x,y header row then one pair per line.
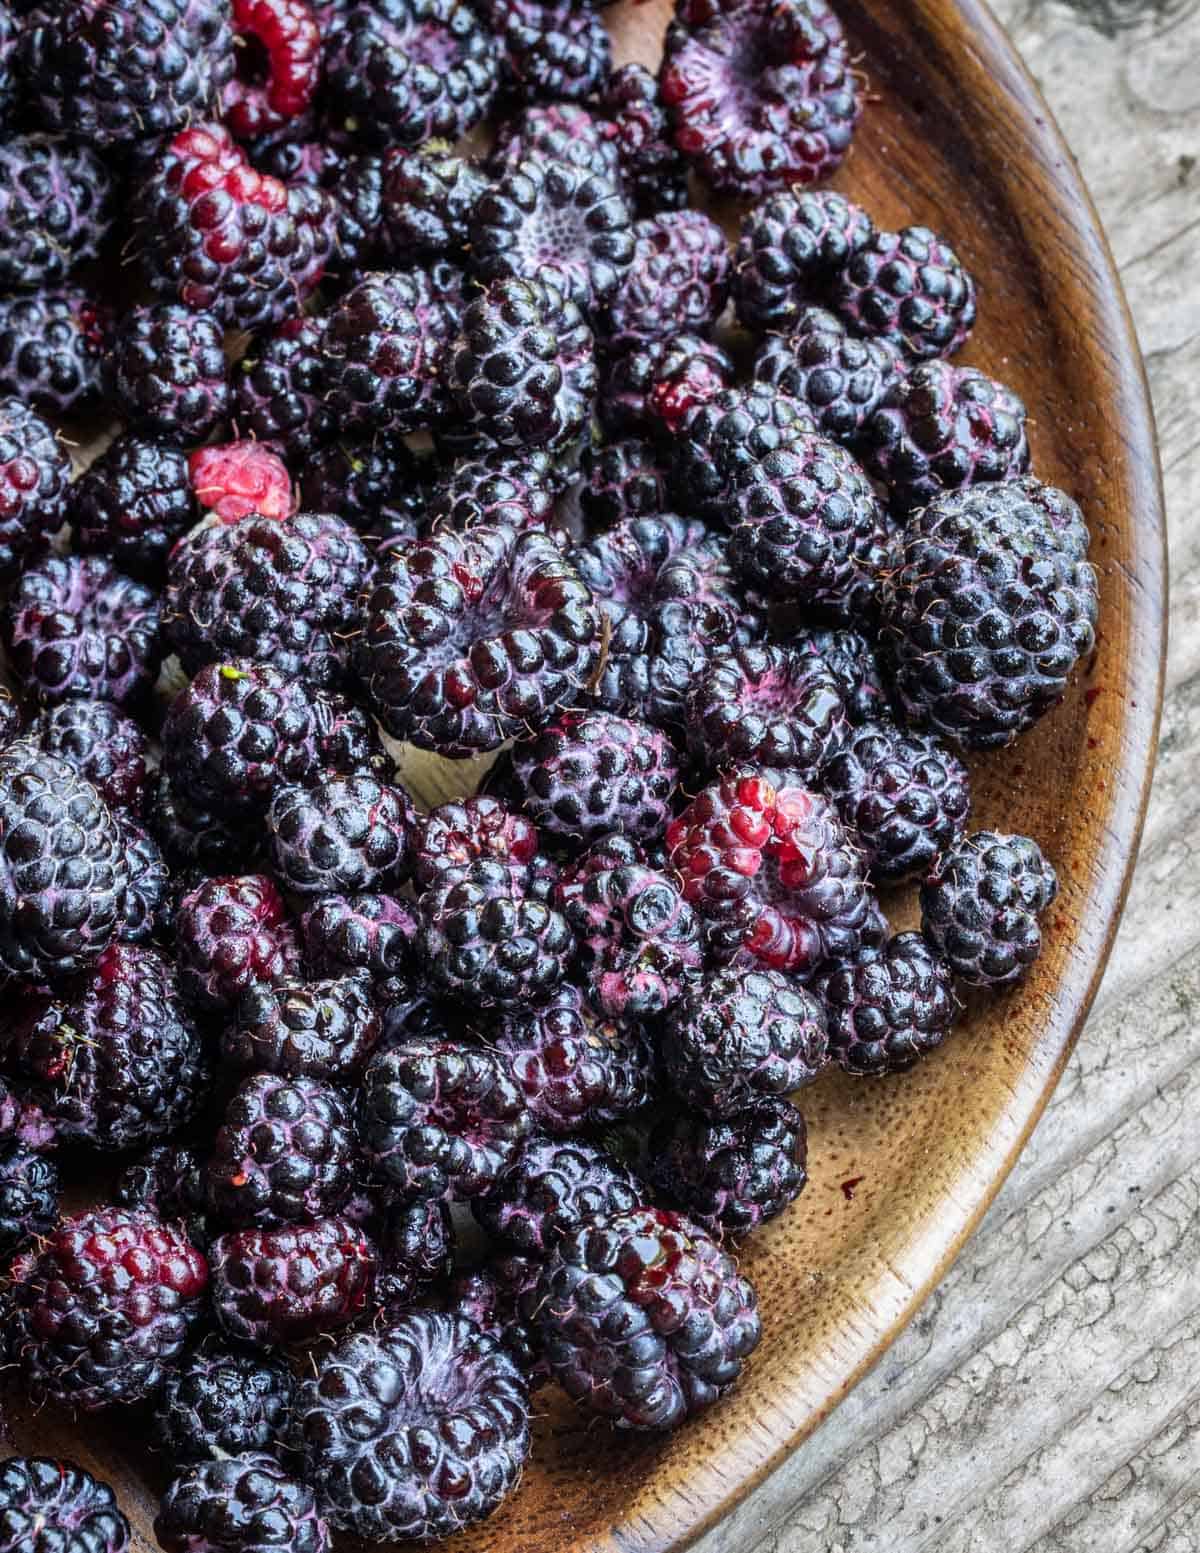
x,y
1048,1395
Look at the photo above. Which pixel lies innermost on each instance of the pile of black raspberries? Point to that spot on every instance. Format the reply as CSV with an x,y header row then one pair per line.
x,y
448,449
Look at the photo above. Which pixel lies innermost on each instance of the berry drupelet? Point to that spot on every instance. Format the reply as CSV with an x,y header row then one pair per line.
x,y
218,235
840,378
101,1309
470,638
353,936
51,1506
76,627
667,592
281,592
790,245
575,1069
940,427
643,1318
323,1029
987,604
22,1123
240,1504
557,224
413,1431
148,905
35,472
588,773
118,72
292,159
56,207
639,940
761,95
8,42
408,71
522,369
768,863
652,170
342,836
284,35
980,907
552,1187
355,191
910,288
51,349
63,867
678,282
428,196
132,503
903,796
12,717
731,1175
168,373
284,1152
219,1402
765,705
742,1037
292,1283
279,388
232,936
115,1062
887,1007
348,739
439,1119
237,733
28,1197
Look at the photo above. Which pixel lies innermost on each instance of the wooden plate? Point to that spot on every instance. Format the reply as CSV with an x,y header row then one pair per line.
x,y
957,137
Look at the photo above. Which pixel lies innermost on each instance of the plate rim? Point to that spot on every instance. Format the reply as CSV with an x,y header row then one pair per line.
x,y
1138,728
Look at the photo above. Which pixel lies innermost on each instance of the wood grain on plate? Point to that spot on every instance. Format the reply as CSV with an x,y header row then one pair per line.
x,y
955,136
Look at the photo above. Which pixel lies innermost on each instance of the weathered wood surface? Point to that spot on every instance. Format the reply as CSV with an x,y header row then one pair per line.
x,y
1048,1396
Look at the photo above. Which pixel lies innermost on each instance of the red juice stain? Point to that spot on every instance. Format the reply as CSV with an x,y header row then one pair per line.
x,y
848,1186
1090,696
